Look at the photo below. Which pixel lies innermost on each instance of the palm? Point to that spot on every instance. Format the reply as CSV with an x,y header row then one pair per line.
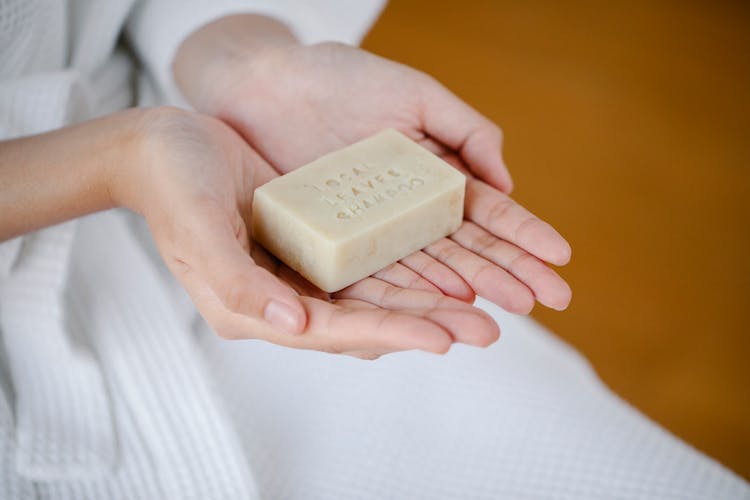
x,y
206,182
329,99
324,97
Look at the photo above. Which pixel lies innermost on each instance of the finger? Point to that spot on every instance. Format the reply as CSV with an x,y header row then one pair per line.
x,y
464,322
485,277
460,127
401,276
502,216
440,275
344,327
347,326
209,245
548,287
361,328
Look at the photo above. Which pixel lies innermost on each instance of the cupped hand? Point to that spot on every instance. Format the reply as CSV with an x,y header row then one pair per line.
x,y
295,103
194,186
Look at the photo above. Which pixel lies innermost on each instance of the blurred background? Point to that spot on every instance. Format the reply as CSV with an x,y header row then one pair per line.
x,y
627,126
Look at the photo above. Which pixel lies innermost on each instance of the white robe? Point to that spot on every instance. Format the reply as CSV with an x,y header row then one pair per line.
x,y
112,387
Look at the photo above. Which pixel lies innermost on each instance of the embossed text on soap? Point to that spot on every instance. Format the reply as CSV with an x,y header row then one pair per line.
x,y
354,190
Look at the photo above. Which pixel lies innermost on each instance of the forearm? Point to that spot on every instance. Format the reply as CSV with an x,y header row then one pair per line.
x,y
53,177
202,62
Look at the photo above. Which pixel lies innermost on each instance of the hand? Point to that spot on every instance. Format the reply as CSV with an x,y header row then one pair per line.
x,y
295,103
502,248
194,185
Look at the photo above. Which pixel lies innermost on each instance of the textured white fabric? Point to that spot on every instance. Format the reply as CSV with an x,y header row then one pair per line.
x,y
105,392
61,417
35,344
525,418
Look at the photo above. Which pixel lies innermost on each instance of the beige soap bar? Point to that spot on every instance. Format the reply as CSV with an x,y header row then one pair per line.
x,y
353,212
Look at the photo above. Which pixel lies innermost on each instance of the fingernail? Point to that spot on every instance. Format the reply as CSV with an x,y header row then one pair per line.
x,y
282,317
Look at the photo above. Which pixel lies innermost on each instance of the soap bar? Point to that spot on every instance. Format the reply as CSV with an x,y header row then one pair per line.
x,y
357,210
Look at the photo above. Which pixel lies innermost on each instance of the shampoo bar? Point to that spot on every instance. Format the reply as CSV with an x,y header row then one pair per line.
x,y
353,212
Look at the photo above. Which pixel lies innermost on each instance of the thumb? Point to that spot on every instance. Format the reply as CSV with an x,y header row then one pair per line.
x,y
479,141
217,253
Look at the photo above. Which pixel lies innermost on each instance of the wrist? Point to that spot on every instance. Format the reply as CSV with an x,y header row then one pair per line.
x,y
63,174
146,137
212,60
125,156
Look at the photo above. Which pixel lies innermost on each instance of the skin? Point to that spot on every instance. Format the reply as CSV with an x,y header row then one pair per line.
x,y
277,105
294,103
192,178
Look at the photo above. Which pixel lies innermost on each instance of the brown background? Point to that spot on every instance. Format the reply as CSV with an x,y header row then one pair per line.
x,y
628,127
